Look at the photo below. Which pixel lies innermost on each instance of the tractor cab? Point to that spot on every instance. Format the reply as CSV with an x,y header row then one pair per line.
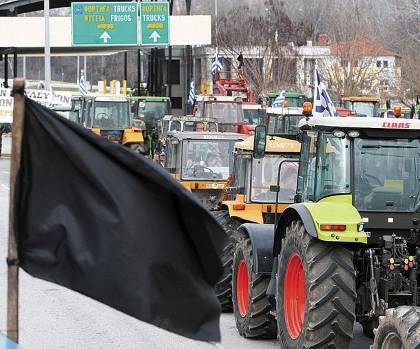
x,y
188,123
227,110
75,109
254,114
252,178
294,99
109,117
147,111
284,120
202,162
362,106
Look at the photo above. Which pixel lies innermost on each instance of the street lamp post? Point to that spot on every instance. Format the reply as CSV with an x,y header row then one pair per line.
x,y
47,45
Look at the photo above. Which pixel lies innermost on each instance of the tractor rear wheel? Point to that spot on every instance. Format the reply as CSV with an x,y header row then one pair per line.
x,y
224,286
398,329
315,295
250,303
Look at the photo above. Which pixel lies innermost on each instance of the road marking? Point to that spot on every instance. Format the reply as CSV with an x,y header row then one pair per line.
x,y
4,186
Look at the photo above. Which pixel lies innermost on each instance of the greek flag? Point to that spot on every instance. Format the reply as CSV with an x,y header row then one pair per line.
x,y
278,102
82,84
323,105
191,95
216,65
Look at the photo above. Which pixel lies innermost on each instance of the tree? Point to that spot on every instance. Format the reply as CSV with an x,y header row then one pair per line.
x,y
269,63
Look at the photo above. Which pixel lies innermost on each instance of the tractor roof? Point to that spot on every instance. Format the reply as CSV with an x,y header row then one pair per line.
x,y
288,94
151,98
355,123
215,98
188,118
361,99
285,111
107,98
207,135
273,145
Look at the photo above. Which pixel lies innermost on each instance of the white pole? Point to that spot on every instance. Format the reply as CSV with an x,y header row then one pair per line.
x,y
85,72
78,70
24,67
47,45
215,14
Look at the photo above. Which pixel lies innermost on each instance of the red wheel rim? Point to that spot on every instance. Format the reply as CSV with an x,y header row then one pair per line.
x,y
294,296
242,288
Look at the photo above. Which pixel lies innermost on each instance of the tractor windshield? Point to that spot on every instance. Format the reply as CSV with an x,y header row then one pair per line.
x,y
151,112
387,175
254,116
111,115
283,124
207,159
225,112
264,174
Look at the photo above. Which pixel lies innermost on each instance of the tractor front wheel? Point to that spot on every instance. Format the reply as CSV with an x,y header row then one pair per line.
x,y
250,303
315,297
399,328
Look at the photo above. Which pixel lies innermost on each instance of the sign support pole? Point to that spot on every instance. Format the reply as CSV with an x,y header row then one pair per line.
x,y
47,45
12,258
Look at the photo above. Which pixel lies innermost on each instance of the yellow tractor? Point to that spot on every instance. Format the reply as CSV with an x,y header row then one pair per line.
x,y
202,162
252,199
109,117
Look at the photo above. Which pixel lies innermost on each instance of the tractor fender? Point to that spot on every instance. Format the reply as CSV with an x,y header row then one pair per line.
x,y
262,238
293,212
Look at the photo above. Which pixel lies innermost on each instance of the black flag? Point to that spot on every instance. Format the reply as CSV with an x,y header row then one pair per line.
x,y
97,218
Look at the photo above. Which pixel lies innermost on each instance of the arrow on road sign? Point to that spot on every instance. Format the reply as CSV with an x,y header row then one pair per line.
x,y
155,36
105,36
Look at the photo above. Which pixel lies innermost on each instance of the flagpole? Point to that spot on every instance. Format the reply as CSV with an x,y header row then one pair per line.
x,y
12,258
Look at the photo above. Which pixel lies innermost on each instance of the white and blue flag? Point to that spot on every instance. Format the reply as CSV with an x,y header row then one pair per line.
x,y
323,105
191,94
216,64
278,102
82,84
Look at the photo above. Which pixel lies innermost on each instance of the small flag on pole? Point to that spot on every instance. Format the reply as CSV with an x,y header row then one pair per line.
x,y
216,65
82,84
278,102
323,105
191,94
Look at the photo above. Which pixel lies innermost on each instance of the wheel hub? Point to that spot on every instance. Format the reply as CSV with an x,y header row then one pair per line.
x,y
294,296
392,341
242,292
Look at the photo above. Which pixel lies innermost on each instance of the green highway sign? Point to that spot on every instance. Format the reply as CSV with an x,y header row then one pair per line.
x,y
154,19
104,23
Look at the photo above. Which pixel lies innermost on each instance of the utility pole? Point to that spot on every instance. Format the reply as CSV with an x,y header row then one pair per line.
x,y
188,52
47,45
169,65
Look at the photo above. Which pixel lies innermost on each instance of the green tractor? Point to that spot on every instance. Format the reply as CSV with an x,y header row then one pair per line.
x,y
148,112
347,250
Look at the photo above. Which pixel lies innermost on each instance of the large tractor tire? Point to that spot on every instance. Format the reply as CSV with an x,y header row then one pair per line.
x,y
250,303
315,297
224,286
398,329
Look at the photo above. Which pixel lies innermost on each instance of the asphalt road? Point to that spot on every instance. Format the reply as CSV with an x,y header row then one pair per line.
x,y
54,317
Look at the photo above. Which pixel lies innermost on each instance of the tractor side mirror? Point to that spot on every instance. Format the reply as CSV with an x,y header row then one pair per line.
x,y
259,141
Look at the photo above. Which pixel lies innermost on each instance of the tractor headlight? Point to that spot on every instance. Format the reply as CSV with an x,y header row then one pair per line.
x,y
353,134
339,133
